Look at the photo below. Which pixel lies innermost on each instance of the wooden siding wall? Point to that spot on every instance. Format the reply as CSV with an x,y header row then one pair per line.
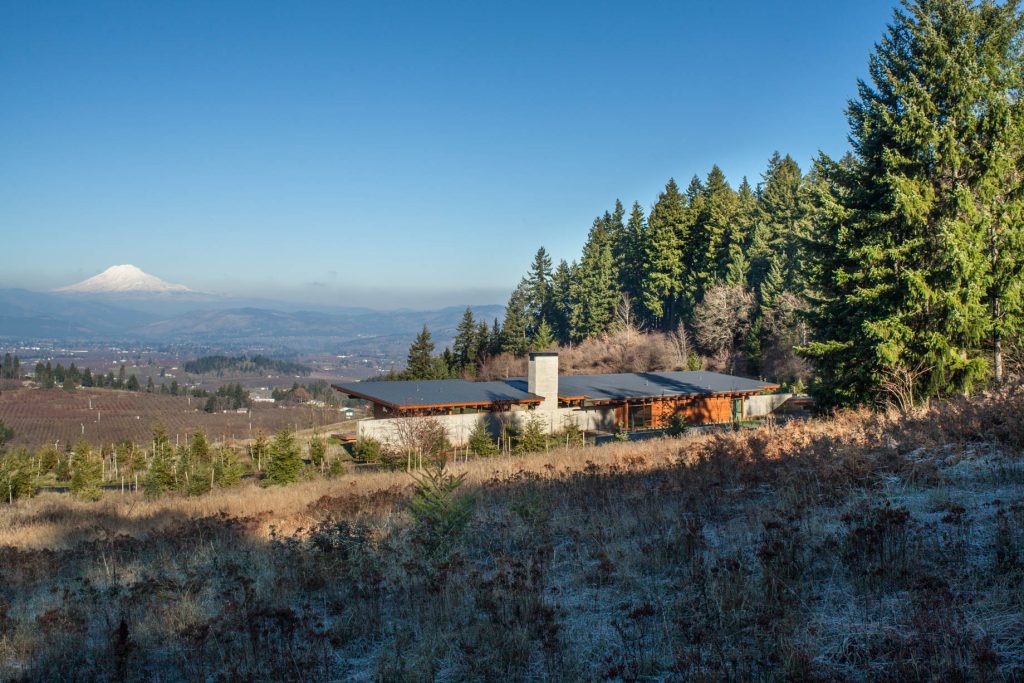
x,y
696,411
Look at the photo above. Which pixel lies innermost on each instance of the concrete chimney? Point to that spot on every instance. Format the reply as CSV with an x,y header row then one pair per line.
x,y
542,378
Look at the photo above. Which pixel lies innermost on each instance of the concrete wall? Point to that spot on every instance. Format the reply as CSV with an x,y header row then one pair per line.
x,y
758,406
588,419
542,378
460,426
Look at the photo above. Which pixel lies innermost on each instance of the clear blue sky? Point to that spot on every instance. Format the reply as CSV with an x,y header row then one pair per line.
x,y
385,153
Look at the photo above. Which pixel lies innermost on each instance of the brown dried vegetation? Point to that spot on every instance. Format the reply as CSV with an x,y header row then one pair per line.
x,y
866,546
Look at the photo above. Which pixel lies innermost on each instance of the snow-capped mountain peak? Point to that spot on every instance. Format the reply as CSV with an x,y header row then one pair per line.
x,y
123,279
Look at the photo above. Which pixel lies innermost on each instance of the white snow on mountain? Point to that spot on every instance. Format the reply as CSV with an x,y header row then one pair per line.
x,y
123,279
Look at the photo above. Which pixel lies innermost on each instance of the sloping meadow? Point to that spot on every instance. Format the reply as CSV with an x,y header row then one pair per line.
x,y
864,546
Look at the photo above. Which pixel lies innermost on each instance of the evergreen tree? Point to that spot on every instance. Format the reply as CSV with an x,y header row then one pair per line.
x,y
781,224
465,346
514,338
618,236
707,252
285,459
668,228
480,440
160,475
561,294
482,343
538,291
1000,141
17,475
494,345
86,472
420,362
318,452
630,265
904,265
737,265
227,471
543,338
259,450
594,291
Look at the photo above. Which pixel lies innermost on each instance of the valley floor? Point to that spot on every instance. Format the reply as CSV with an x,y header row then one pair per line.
x,y
861,547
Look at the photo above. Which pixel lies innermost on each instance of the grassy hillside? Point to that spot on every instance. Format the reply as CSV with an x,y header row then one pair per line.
x,y
863,547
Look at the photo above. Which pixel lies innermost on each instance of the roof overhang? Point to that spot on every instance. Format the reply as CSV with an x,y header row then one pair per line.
x,y
348,391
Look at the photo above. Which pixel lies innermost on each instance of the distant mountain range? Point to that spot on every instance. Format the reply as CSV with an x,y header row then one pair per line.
x,y
125,304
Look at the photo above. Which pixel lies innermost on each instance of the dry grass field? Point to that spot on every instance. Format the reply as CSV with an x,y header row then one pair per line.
x,y
861,547
103,416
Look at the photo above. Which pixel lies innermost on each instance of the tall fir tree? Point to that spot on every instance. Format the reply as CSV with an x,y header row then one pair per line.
x,y
465,346
594,291
561,294
420,362
911,309
781,223
514,331
538,291
668,227
1000,140
631,268
618,236
707,252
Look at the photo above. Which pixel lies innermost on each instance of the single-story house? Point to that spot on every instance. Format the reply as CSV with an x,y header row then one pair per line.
x,y
608,402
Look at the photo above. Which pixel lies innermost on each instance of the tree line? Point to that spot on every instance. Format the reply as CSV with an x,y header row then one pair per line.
x,y
48,376
892,273
257,364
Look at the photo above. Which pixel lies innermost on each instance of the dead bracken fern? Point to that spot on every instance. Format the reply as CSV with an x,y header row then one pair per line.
x,y
863,546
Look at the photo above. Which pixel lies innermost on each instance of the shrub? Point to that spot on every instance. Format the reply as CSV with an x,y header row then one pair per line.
x,y
318,451
367,449
48,458
571,436
440,516
227,470
86,473
480,440
336,468
16,479
677,425
285,461
160,475
533,437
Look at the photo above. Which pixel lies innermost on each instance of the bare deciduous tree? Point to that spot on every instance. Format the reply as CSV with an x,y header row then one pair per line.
x,y
722,319
625,336
681,347
898,387
419,438
785,328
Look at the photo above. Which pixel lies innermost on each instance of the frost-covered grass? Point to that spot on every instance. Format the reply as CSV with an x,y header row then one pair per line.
x,y
862,547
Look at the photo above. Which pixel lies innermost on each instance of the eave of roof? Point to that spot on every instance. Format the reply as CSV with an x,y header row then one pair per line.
x,y
627,386
397,394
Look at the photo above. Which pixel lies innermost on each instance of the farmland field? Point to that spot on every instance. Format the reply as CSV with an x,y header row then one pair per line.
x,y
101,416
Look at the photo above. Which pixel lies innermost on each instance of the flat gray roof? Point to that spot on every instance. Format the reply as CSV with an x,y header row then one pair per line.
x,y
437,392
650,385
